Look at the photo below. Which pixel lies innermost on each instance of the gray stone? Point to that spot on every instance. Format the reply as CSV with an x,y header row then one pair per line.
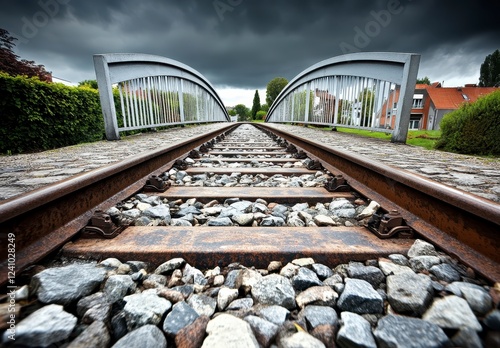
x,y
243,219
221,221
423,263
193,275
247,278
242,206
240,303
371,274
279,208
319,295
360,297
421,248
452,312
132,213
324,220
275,314
399,259
409,293
145,308
97,299
259,208
272,221
319,315
181,316
301,339
274,290
294,221
225,297
305,278
180,222
142,221
170,265
111,263
355,332
264,331
63,285
289,270
188,210
477,297
445,272
155,281
492,320
232,278
300,207
202,304
468,338
400,331
369,210
145,336
322,271
342,208
389,268
117,286
229,331
48,325
158,212
95,336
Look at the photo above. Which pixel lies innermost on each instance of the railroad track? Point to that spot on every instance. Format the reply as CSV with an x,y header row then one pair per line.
x,y
249,195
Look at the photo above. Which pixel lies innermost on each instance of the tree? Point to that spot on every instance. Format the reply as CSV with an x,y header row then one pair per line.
x,y
88,83
256,104
367,101
242,111
264,107
424,81
489,74
274,87
13,65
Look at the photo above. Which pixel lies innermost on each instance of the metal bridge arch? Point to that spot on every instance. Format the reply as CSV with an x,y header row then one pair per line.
x,y
153,91
369,90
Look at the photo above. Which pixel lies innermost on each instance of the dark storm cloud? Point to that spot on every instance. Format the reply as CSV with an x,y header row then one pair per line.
x,y
245,43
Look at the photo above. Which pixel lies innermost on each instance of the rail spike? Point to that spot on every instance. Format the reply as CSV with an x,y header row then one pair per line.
x,y
314,165
156,184
101,226
337,184
389,225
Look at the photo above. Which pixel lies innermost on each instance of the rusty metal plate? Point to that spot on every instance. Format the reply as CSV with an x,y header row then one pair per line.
x,y
248,146
270,194
269,171
248,160
207,247
247,153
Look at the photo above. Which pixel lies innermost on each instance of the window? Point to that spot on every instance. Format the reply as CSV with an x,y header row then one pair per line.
x,y
418,104
414,122
418,101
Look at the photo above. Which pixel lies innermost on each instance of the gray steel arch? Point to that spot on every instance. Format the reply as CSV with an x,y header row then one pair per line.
x,y
144,71
395,68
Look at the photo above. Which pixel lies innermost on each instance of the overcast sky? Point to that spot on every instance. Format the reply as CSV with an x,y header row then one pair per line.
x,y
240,45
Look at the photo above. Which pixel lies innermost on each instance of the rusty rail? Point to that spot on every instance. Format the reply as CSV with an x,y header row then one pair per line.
x,y
45,219
461,224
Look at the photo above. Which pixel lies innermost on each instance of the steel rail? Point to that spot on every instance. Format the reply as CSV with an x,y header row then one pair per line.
x,y
463,225
45,219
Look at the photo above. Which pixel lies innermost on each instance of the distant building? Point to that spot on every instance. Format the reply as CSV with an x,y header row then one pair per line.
x,y
432,102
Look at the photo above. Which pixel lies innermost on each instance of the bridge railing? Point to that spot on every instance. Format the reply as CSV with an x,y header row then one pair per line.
x,y
371,90
151,91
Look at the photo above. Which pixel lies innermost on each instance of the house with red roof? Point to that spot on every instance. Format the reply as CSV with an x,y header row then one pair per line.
x,y
432,102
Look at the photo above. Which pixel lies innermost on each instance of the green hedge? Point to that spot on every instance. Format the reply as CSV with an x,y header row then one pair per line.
x,y
36,116
474,128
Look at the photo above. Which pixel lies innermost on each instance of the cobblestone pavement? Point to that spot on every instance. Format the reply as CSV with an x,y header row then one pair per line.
x,y
26,172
